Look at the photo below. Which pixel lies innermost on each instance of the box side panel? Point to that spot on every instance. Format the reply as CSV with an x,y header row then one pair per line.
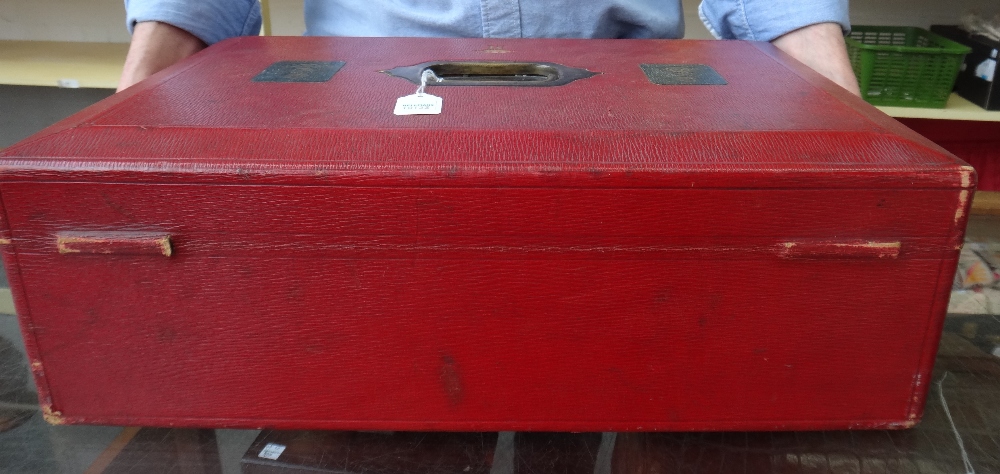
x,y
483,308
942,295
13,267
524,343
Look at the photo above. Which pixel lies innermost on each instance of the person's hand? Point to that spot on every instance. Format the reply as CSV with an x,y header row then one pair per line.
x,y
821,47
155,46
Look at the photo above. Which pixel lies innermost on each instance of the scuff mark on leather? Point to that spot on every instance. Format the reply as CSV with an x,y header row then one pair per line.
x,y
451,380
963,199
53,417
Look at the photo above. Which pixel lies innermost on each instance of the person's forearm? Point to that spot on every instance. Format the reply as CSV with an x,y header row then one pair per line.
x,y
155,46
821,47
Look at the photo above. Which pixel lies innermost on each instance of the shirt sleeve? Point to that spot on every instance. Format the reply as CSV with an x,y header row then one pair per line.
x,y
210,20
765,20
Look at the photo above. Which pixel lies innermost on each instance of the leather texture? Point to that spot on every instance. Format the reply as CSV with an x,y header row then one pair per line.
x,y
606,255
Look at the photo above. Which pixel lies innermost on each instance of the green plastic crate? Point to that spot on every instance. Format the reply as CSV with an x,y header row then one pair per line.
x,y
904,66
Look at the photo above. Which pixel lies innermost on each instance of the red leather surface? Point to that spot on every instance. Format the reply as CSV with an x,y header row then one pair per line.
x,y
605,255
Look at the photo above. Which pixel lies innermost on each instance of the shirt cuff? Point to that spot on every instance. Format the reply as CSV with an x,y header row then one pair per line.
x,y
765,20
210,21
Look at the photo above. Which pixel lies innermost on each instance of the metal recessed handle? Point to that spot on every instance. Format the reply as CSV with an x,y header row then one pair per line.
x,y
492,73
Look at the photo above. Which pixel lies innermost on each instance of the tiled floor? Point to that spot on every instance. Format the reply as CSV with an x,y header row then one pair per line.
x,y
39,447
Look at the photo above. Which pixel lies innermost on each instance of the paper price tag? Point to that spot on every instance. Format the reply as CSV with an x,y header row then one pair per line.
x,y
418,104
271,451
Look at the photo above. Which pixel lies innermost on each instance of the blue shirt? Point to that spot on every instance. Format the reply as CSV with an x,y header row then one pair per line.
x,y
762,20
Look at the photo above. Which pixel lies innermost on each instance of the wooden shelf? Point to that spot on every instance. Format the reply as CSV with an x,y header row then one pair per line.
x,y
986,203
45,63
957,109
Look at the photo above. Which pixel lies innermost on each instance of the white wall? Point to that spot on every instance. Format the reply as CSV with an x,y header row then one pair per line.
x,y
922,13
693,28
63,20
286,17
104,20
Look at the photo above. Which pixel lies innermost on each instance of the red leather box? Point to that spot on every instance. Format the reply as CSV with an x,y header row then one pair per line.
x,y
591,236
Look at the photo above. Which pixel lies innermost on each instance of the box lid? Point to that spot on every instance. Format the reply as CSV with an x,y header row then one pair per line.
x,y
769,121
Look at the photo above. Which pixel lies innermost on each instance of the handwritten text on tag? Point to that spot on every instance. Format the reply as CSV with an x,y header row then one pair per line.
x,y
418,104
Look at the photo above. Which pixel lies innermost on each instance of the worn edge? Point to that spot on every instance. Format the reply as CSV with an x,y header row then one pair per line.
x,y
63,244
